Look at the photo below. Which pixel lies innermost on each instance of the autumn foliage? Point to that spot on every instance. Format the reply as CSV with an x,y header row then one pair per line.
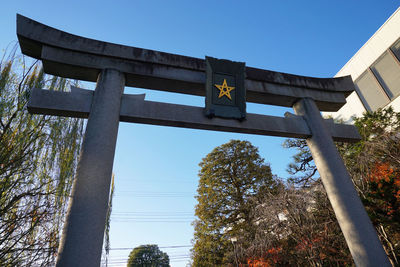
x,y
271,258
385,187
374,166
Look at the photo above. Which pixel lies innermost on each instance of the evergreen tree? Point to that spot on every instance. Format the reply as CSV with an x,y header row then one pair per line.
x,y
233,179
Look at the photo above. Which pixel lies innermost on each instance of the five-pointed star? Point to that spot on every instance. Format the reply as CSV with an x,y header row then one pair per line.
x,y
224,89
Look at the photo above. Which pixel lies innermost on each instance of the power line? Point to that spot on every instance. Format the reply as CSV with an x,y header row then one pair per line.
x,y
154,194
154,212
152,217
128,215
125,258
124,261
163,222
177,246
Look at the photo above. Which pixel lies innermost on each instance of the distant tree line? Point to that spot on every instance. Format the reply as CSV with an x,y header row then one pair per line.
x,y
248,217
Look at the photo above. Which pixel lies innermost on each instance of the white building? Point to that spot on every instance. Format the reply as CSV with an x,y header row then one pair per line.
x,y
375,70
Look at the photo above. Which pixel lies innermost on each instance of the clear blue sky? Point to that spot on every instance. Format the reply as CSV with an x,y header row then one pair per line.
x,y
156,167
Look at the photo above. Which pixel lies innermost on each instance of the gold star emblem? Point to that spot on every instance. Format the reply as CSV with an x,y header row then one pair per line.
x,y
224,89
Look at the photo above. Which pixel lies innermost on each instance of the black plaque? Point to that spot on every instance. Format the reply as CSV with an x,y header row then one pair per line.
x,y
225,92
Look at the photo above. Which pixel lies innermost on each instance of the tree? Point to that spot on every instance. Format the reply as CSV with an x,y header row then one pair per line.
x,y
38,157
297,227
374,166
148,256
233,179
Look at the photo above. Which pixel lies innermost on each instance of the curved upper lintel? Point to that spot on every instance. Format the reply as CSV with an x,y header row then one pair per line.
x,y
329,93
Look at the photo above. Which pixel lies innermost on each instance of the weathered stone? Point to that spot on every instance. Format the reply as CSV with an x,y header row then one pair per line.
x,y
76,57
82,238
135,109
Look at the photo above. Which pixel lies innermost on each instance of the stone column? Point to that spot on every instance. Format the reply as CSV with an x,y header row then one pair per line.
x,y
356,226
83,232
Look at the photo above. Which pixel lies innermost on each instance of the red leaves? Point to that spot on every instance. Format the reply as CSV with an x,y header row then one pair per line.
x,y
381,172
271,257
385,185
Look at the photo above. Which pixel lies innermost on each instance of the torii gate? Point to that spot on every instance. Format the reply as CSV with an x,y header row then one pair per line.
x,y
115,66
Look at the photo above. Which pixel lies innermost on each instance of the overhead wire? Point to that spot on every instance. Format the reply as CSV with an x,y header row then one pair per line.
x,y
162,247
154,194
153,217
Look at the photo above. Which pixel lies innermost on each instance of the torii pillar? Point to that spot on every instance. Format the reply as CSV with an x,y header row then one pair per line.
x,y
114,66
354,222
84,224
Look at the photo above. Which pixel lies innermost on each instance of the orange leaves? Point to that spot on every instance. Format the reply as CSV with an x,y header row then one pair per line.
x,y
272,256
258,263
385,186
381,172
397,196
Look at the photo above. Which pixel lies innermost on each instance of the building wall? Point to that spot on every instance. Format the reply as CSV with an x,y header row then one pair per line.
x,y
375,70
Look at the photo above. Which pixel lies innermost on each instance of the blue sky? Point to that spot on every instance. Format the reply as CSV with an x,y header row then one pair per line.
x,y
156,167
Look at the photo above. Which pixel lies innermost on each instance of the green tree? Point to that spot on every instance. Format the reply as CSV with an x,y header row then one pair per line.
x,y
233,179
38,156
148,256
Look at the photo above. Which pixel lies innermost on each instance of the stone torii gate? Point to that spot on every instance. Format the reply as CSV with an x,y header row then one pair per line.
x,y
114,66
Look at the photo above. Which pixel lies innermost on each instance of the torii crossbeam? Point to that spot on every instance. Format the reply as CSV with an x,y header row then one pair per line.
x,y
115,66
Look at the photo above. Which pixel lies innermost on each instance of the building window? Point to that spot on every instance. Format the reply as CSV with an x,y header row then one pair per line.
x,y
396,49
387,71
370,92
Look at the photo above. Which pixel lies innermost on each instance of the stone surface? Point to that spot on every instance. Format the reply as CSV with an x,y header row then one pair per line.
x,y
356,226
82,238
76,57
135,109
76,103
